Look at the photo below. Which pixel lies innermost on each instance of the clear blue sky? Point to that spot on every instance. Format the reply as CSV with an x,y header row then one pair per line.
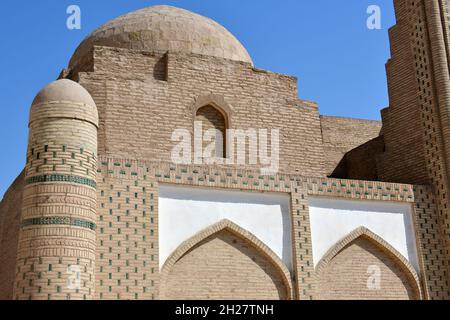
x,y
325,43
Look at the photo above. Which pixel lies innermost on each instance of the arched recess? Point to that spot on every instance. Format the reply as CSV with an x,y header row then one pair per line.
x,y
347,270
224,262
214,113
217,101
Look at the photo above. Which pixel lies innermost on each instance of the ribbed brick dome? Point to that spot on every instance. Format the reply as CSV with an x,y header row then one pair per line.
x,y
165,28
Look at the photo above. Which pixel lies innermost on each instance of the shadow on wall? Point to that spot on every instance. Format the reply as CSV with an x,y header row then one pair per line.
x,y
361,163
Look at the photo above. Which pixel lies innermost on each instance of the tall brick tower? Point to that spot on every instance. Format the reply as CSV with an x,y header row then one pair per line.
x,y
56,250
416,126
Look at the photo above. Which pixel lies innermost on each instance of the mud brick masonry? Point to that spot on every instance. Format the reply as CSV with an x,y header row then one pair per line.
x,y
358,209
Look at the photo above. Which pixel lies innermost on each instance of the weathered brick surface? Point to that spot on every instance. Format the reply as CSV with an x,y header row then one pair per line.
x,y
212,119
127,265
361,163
142,256
58,209
347,275
416,124
340,135
224,266
10,213
138,113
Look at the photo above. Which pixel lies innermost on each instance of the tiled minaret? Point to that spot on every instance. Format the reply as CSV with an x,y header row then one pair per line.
x,y
56,251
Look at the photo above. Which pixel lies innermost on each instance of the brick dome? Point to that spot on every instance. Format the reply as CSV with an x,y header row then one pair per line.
x,y
64,99
165,28
64,90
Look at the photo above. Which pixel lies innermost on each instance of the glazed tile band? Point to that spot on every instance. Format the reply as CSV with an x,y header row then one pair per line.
x,y
62,178
66,221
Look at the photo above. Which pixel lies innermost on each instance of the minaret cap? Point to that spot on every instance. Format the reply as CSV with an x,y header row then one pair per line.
x,y
64,99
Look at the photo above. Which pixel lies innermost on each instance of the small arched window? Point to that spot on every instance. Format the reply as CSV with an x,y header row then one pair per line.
x,y
213,118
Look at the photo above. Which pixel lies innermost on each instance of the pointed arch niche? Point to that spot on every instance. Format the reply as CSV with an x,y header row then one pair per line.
x,y
214,113
364,266
225,261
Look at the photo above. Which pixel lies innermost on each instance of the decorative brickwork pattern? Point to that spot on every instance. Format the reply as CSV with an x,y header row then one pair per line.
x,y
302,244
429,244
58,221
56,248
127,265
117,171
415,126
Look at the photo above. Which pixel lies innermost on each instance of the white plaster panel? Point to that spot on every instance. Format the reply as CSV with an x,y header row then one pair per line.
x,y
333,219
185,211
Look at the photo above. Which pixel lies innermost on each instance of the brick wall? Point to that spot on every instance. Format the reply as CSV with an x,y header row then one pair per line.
x,y
138,113
431,248
404,158
10,212
417,122
212,118
224,267
127,265
340,135
346,276
361,163
137,219
127,262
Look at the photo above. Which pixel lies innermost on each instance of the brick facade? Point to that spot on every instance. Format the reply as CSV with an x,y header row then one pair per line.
x,y
137,173
415,126
131,98
89,194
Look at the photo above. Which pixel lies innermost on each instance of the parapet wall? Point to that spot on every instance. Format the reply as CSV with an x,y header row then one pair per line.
x,y
341,135
139,111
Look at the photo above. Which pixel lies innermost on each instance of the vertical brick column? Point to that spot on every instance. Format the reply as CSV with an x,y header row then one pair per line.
x,y
417,134
439,54
56,250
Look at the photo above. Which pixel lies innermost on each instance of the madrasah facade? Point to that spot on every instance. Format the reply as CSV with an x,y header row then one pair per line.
x,y
328,207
